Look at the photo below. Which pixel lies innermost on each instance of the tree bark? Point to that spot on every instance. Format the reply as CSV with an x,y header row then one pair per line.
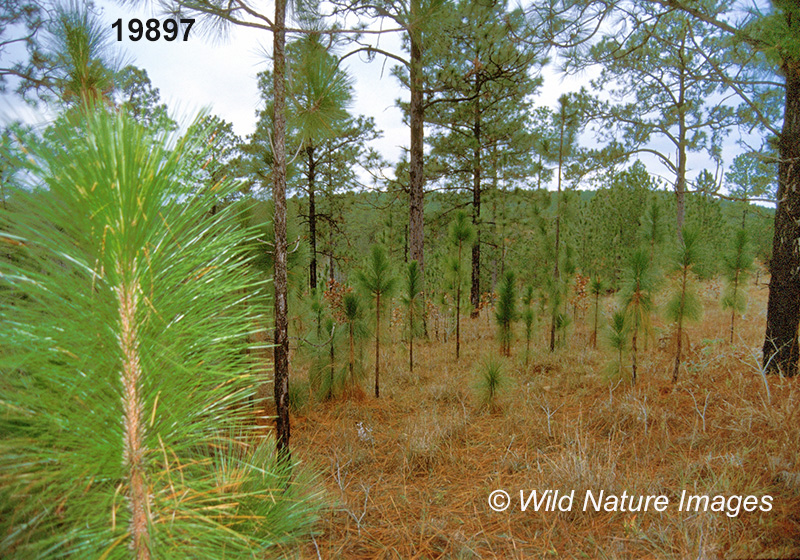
x,y
281,383
780,350
377,344
680,179
416,121
678,354
556,272
312,216
475,289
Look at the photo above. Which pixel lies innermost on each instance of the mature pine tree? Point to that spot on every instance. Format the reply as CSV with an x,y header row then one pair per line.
x,y
661,87
480,80
566,121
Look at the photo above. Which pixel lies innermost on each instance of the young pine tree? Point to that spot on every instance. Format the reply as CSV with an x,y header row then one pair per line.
x,y
353,312
127,380
684,305
618,334
462,234
528,317
376,279
506,312
412,300
637,300
737,266
596,288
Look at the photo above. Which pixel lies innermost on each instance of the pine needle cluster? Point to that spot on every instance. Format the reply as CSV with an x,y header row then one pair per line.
x,y
128,378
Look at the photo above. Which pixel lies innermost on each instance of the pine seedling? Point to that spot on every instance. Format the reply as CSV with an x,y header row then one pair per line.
x,y
353,311
559,319
653,229
618,336
376,278
684,305
528,317
506,312
491,381
596,288
127,364
412,301
637,300
324,378
737,266
462,233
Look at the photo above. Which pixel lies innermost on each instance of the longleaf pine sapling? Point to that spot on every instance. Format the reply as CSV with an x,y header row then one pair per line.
x,y
737,263
684,304
461,236
596,288
129,380
618,335
528,317
412,301
637,301
506,312
376,279
353,312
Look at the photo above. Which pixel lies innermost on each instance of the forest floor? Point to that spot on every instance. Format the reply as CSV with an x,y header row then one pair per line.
x,y
409,475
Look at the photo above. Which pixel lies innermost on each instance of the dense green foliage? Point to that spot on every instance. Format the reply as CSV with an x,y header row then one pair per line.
x,y
128,373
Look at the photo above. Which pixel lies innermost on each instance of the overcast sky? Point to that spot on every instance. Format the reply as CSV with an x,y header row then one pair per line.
x,y
221,76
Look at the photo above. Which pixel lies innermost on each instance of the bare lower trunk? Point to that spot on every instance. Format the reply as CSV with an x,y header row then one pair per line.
x,y
312,217
281,387
781,350
332,357
475,288
633,355
377,345
416,121
411,340
133,449
735,293
678,353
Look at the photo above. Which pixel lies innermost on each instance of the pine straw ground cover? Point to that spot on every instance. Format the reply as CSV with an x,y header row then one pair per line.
x,y
409,475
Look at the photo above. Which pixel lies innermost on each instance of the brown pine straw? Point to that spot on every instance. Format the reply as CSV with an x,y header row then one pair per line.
x,y
418,488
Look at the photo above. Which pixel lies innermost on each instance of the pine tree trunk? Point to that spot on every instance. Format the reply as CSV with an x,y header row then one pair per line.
x,y
416,121
312,216
133,422
681,311
680,180
351,363
633,355
475,289
281,383
735,293
332,357
377,344
458,305
411,338
596,310
556,273
780,350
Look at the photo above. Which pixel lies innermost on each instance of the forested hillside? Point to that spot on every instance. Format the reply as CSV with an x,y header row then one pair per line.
x,y
557,323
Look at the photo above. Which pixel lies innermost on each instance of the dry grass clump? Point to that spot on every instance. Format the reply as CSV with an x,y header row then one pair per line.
x,y
410,474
